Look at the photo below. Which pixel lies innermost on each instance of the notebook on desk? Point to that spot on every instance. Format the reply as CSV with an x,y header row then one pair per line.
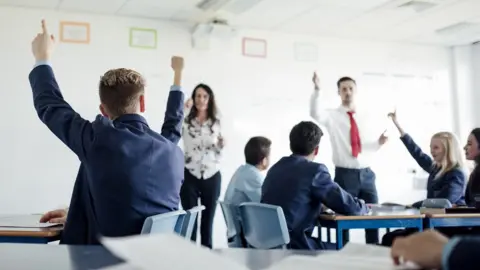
x,y
462,210
25,221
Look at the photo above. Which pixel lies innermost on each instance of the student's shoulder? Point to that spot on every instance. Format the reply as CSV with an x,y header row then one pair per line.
x,y
456,172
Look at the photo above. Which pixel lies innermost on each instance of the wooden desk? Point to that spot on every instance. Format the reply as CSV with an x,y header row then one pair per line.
x,y
375,220
28,235
452,220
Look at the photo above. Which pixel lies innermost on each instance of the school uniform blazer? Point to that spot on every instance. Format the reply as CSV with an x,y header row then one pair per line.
x,y
300,187
128,171
461,254
450,185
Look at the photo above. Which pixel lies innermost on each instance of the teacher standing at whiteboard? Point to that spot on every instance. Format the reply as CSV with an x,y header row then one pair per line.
x,y
351,145
203,145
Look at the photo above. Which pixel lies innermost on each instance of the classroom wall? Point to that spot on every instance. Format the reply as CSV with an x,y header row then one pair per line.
x,y
255,96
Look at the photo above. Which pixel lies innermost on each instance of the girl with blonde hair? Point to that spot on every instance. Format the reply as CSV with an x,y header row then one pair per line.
x,y
446,165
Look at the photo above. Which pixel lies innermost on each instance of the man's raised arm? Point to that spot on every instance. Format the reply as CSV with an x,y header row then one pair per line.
x,y
172,125
316,111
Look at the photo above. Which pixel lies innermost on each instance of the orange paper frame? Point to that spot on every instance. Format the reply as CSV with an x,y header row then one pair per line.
x,y
62,28
244,47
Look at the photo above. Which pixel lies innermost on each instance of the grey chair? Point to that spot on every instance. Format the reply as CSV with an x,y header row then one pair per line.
x,y
264,226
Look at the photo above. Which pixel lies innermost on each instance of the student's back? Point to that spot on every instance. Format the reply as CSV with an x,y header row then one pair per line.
x,y
246,182
128,172
300,186
133,172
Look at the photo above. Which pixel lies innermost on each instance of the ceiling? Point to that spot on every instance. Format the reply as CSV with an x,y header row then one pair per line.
x,y
418,21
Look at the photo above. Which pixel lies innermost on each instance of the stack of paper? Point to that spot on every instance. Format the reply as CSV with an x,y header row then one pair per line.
x,y
25,221
351,257
166,251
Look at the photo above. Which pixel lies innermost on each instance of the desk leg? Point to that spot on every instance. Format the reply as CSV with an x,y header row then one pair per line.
x,y
329,238
339,238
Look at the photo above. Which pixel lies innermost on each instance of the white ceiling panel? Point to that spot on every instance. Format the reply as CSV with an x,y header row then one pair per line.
x,y
322,19
271,13
31,3
374,22
432,21
93,6
161,9
363,5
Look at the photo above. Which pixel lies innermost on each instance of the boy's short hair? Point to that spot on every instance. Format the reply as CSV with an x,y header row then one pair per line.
x,y
304,137
256,149
119,90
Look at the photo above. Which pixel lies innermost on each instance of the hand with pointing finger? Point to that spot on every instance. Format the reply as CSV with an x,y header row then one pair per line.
x,y
43,44
316,81
383,138
393,116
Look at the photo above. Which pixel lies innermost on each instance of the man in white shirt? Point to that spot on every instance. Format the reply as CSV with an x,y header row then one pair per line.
x,y
352,144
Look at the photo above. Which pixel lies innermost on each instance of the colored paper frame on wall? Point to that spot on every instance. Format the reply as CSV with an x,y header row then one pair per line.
x,y
74,32
143,38
254,47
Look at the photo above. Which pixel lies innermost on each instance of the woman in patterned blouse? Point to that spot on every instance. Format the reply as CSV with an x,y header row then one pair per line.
x,y
203,144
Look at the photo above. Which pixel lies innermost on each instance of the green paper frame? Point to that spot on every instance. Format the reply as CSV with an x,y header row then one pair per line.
x,y
133,29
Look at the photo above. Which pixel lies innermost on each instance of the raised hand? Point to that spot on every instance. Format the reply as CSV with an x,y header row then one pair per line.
x,y
43,44
177,63
383,138
393,116
316,81
177,66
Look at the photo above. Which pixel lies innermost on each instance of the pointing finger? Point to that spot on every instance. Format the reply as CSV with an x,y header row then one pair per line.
x,y
44,27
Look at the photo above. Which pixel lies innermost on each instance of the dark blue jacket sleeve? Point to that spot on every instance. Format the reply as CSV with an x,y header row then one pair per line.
x,y
334,197
57,114
422,159
454,187
463,255
172,125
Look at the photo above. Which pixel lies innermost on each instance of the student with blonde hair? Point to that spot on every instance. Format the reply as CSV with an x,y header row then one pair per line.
x,y
445,166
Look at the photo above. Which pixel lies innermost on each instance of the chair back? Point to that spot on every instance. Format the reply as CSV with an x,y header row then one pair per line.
x,y
264,226
232,221
164,223
189,221
436,203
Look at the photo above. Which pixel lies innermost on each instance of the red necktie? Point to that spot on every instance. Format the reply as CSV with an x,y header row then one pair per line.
x,y
354,136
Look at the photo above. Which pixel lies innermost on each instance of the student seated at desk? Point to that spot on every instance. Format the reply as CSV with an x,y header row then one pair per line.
x,y
446,170
128,172
246,182
300,186
472,152
432,250
446,167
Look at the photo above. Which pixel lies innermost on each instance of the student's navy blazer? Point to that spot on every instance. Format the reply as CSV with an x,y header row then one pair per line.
x,y
461,254
450,185
300,187
128,171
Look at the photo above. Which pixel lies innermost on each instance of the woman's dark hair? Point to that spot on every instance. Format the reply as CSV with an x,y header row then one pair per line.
x,y
473,186
476,133
211,108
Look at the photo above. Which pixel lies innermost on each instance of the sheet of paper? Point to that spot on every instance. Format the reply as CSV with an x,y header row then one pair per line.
x,y
25,221
167,251
351,257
